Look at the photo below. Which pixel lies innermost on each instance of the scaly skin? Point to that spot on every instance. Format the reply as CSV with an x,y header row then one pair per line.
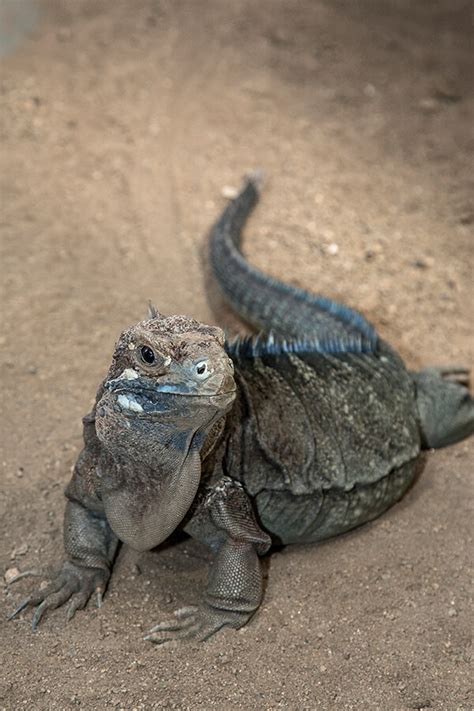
x,y
287,438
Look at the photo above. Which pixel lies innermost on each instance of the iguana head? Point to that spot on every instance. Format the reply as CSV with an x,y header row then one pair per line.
x,y
170,371
169,383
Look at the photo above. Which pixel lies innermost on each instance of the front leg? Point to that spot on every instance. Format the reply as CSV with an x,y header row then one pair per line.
x,y
227,524
89,542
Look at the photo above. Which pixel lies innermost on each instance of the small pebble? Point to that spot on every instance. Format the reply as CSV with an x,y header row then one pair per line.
x,y
229,192
447,96
467,218
21,550
370,91
332,248
10,574
372,251
428,105
423,263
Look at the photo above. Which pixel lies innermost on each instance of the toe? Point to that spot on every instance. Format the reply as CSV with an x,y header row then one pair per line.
x,y
51,603
33,573
184,612
78,602
24,603
38,614
172,635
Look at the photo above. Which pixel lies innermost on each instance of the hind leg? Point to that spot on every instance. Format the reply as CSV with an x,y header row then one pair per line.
x,y
445,405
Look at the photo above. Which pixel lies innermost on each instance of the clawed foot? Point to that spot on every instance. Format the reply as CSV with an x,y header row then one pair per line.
x,y
71,583
194,623
454,373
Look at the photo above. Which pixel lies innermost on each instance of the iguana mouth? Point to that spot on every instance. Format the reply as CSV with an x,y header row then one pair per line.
x,y
131,407
134,398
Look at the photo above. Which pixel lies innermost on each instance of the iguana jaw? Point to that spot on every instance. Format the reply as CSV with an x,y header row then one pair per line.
x,y
144,397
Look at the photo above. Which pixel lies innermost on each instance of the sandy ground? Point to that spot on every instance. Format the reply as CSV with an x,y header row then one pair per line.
x,y
120,124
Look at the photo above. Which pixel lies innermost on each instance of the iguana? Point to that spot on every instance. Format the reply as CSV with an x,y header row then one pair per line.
x,y
289,437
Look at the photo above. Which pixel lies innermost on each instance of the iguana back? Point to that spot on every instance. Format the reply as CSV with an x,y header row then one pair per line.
x,y
322,442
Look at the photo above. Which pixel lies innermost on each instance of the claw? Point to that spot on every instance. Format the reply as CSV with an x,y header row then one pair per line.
x,y
24,603
98,598
26,574
454,373
162,640
172,635
455,368
169,626
71,611
154,640
38,614
78,602
185,625
184,612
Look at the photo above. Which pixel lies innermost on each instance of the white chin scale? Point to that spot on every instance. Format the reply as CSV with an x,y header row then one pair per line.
x,y
128,402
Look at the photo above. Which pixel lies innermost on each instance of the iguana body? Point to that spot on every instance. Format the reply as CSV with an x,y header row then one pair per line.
x,y
286,438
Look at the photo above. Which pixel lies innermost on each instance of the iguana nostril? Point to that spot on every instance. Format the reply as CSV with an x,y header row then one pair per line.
x,y
228,383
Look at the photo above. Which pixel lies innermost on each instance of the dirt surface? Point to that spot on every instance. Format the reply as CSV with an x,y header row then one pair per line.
x,y
120,124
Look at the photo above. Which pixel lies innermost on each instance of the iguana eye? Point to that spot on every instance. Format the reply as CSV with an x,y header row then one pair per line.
x,y
201,369
147,355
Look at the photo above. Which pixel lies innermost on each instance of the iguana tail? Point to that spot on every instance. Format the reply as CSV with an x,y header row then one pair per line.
x,y
265,302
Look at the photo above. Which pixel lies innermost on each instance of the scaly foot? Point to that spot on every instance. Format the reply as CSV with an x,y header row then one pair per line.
x,y
195,623
71,583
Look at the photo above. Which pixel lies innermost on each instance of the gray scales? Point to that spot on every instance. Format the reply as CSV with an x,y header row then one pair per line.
x,y
301,433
